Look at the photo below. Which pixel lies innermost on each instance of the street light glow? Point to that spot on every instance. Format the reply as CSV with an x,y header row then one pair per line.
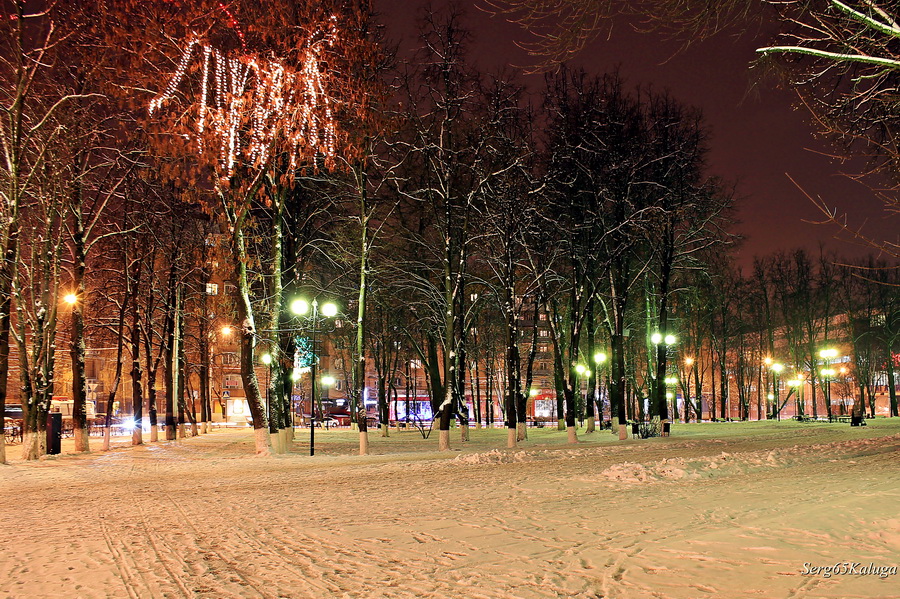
x,y
670,339
777,367
580,368
689,361
226,330
329,309
71,299
266,359
599,358
828,353
656,338
299,306
533,392
327,381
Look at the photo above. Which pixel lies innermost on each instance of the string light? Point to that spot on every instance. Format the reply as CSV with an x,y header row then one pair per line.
x,y
247,102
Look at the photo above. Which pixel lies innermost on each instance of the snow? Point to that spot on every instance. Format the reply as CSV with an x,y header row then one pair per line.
x,y
717,510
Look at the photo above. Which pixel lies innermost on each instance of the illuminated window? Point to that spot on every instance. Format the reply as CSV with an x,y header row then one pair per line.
x,y
212,289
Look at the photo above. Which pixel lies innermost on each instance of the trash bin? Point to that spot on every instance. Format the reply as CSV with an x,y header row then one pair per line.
x,y
54,433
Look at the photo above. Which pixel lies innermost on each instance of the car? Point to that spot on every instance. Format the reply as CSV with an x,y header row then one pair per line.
x,y
327,422
14,411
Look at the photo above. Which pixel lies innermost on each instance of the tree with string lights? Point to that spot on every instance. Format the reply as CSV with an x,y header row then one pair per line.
x,y
254,98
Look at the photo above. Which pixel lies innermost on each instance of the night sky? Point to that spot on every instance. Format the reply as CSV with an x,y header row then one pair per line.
x,y
757,134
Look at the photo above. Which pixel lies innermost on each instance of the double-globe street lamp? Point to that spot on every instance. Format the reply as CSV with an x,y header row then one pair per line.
x,y
827,373
310,311
662,343
777,368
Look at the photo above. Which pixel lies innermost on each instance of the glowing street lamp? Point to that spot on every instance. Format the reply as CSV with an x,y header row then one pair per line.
x,y
310,311
776,368
71,299
828,354
267,360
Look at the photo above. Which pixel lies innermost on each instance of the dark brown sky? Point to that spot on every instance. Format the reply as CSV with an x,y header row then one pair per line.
x,y
758,137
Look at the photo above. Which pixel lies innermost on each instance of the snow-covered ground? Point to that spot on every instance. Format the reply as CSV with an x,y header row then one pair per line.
x,y
721,510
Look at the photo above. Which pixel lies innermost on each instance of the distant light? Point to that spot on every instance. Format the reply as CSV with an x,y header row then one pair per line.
x,y
226,330
533,392
770,396
599,358
266,359
828,353
295,375
71,299
580,368
777,367
689,361
329,310
669,396
299,306
327,381
656,338
128,424
767,361
671,339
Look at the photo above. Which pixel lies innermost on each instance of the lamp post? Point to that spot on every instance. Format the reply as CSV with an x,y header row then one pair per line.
x,y
827,355
266,359
776,409
599,365
662,344
797,384
686,387
300,307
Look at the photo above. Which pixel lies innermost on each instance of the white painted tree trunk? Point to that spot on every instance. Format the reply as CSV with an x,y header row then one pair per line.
x,y
364,443
154,433
106,435
464,432
385,430
180,430
511,437
2,449
263,448
591,425
477,426
81,440
276,442
137,435
194,430
521,431
203,428
287,437
443,440
354,427
31,446
561,424
623,432
570,431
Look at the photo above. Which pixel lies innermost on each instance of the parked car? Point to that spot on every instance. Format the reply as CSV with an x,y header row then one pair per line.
x,y
14,411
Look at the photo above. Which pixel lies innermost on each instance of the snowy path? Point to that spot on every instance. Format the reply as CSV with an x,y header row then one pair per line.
x,y
689,516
